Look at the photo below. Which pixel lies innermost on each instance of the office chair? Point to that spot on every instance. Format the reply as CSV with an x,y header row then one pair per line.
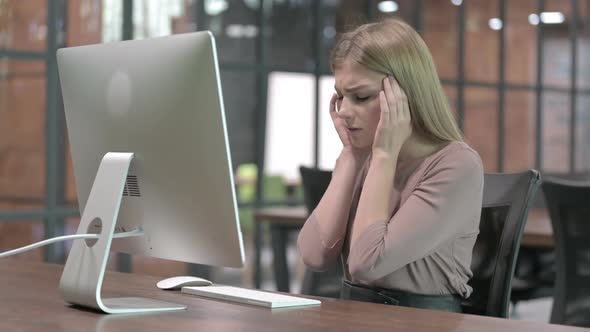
x,y
569,210
534,275
315,182
506,201
535,272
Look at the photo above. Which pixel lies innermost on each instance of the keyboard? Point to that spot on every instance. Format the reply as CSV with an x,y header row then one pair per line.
x,y
249,296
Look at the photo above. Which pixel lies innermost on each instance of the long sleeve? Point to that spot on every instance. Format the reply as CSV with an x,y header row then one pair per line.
x,y
321,238
316,253
444,203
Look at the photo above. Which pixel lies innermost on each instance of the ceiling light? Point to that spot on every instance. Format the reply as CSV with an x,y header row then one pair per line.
x,y
547,18
495,23
241,31
387,6
552,17
215,7
329,32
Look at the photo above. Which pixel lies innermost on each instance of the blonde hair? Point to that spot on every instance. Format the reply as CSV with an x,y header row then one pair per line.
x,y
392,47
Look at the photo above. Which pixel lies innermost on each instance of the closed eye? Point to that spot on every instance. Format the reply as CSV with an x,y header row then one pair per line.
x,y
361,99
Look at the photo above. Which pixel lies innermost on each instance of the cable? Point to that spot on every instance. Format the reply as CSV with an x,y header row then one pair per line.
x,y
135,232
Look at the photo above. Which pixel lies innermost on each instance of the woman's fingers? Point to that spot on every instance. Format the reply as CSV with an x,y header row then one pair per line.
x,y
333,106
385,110
394,126
397,91
389,93
400,99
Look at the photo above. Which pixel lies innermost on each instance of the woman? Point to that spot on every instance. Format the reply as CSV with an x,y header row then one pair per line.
x,y
403,206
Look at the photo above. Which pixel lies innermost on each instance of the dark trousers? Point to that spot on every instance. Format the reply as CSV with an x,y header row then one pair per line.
x,y
354,292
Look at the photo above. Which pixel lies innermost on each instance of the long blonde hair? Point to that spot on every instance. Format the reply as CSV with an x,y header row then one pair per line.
x,y
392,47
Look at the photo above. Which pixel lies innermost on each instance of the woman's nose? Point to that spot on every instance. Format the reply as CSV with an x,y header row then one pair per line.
x,y
344,110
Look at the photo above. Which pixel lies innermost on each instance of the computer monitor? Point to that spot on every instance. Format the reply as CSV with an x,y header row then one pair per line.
x,y
150,152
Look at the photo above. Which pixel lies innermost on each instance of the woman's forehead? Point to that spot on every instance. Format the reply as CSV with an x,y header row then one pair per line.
x,y
351,74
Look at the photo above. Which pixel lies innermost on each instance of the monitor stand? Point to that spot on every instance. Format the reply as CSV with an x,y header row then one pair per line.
x,y
81,280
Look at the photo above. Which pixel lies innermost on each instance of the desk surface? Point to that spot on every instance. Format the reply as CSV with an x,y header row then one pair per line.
x,y
31,302
538,232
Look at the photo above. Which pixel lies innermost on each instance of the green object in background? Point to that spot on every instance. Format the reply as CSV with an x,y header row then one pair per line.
x,y
274,190
246,215
246,175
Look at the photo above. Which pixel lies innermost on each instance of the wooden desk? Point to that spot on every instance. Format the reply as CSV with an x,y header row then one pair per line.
x,y
31,302
538,233
281,220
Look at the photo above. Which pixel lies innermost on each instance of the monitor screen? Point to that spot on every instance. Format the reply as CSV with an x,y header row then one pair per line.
x,y
161,100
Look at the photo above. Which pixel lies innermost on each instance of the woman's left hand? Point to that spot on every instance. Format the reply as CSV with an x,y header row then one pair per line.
x,y
394,126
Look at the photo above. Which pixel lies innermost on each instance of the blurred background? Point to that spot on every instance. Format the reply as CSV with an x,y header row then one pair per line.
x,y
517,75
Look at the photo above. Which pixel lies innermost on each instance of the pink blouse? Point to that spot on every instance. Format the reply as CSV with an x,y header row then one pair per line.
x,y
425,247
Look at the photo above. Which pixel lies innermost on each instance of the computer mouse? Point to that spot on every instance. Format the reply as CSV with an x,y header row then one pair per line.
x,y
174,283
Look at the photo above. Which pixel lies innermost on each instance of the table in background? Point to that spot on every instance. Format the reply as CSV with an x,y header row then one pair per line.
x,y
31,302
538,233
281,220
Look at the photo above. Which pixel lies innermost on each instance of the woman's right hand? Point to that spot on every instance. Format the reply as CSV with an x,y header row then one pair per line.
x,y
340,125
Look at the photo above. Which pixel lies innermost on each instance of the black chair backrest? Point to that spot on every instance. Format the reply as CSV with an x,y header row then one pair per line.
x,y
315,182
577,176
506,201
569,208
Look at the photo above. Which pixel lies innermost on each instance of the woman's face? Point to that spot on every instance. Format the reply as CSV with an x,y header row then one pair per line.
x,y
358,101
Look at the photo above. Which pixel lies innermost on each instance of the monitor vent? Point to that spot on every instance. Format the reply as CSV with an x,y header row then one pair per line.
x,y
131,187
